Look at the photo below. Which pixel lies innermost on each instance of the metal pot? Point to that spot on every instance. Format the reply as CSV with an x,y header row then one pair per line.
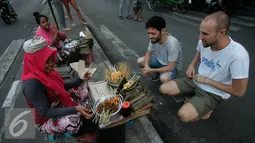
x,y
102,99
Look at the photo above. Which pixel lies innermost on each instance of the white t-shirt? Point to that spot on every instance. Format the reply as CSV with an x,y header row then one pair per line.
x,y
170,51
222,66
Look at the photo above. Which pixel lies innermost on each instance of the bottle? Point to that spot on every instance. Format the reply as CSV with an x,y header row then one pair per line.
x,y
126,110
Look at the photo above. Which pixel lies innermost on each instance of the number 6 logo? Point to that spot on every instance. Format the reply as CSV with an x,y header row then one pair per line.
x,y
16,121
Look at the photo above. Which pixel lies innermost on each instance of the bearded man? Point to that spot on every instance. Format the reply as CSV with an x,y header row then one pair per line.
x,y
164,54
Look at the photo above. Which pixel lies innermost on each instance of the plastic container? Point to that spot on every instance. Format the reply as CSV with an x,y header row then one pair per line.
x,y
126,109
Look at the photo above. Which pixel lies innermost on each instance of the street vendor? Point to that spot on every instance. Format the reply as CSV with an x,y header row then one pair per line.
x,y
56,109
223,71
164,54
53,36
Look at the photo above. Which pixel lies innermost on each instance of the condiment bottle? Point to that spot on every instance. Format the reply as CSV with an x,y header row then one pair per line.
x,y
126,110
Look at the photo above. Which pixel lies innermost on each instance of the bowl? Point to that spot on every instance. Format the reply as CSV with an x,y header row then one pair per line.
x,y
102,99
132,86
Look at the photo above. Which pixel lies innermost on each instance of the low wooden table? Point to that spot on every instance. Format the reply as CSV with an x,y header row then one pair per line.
x,y
97,89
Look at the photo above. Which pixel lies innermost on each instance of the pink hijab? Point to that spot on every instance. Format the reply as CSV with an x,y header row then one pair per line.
x,y
35,57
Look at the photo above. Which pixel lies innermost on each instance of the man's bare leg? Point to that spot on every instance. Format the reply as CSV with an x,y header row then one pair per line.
x,y
165,77
170,88
140,61
187,112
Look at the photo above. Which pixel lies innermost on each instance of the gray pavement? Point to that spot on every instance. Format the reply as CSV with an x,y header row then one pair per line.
x,y
126,40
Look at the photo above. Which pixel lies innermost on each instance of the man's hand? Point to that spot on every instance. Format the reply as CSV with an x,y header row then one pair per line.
x,y
146,70
84,111
191,72
200,78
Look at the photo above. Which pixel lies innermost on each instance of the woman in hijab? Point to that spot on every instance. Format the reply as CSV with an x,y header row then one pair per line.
x,y
56,110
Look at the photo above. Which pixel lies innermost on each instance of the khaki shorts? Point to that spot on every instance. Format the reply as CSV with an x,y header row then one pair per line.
x,y
202,101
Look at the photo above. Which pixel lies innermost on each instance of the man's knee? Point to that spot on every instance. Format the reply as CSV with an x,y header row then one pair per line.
x,y
169,88
165,77
188,113
140,61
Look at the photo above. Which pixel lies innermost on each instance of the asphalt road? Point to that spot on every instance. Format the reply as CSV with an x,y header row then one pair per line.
x,y
233,121
20,28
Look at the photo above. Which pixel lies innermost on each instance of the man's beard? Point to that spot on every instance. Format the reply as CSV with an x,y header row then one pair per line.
x,y
157,40
206,44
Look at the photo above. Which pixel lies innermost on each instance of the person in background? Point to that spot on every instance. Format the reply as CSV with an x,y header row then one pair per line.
x,y
223,71
137,7
164,54
57,109
128,15
61,14
76,8
53,36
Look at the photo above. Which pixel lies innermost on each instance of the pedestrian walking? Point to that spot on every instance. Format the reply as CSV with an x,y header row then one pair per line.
x,y
128,16
76,8
137,7
61,14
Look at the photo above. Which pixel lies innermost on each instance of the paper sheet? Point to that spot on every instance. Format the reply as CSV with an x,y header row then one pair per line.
x,y
79,67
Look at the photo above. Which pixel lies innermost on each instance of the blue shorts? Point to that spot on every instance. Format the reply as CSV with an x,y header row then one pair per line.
x,y
154,63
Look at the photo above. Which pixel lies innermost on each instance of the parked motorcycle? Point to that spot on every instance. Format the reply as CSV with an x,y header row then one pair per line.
x,y
7,12
212,6
221,5
178,5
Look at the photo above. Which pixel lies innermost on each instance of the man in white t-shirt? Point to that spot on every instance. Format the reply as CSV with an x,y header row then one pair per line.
x,y
164,55
223,71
